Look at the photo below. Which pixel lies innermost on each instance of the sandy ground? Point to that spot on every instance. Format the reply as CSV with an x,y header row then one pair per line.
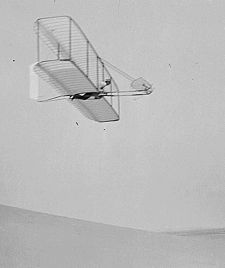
x,y
31,239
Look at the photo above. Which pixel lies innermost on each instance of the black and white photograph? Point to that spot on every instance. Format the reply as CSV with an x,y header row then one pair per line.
x,y
112,148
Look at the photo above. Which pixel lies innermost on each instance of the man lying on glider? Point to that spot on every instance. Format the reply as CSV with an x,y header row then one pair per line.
x,y
87,95
95,94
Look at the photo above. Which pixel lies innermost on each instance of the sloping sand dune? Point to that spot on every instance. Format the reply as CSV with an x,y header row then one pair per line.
x,y
31,239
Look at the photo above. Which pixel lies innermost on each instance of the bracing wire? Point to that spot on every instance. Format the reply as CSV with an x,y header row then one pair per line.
x,y
124,74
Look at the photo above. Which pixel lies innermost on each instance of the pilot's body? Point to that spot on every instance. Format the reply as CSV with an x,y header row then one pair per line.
x,y
87,95
94,94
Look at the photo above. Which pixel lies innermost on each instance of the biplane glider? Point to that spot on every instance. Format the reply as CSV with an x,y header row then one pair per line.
x,y
77,72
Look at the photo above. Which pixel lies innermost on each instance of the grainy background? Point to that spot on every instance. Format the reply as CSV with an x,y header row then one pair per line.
x,y
162,166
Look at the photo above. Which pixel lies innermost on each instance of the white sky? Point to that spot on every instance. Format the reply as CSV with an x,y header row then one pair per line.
x,y
161,166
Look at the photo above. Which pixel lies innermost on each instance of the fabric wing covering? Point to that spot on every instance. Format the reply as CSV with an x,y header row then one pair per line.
x,y
67,78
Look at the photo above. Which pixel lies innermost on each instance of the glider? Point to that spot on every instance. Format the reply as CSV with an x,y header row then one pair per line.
x,y
73,68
